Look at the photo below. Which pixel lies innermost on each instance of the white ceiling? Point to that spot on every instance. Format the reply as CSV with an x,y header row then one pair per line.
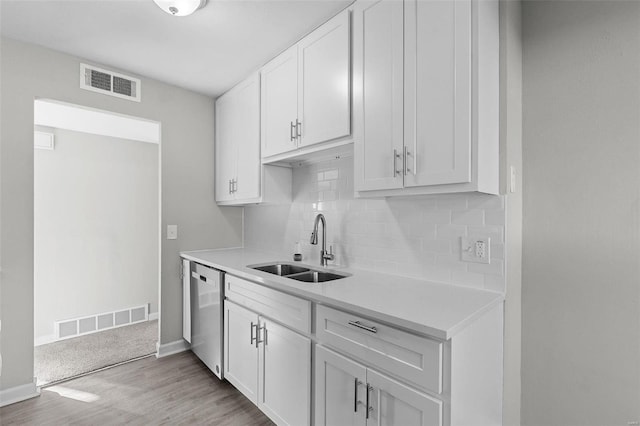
x,y
207,52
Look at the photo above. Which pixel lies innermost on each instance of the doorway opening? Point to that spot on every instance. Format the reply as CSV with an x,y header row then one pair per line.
x,y
96,239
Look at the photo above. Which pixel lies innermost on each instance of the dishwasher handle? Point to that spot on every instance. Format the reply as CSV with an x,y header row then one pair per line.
x,y
197,276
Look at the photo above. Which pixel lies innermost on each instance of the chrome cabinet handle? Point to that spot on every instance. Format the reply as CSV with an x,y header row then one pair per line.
x,y
396,155
369,408
407,154
298,130
254,338
292,128
258,341
356,383
368,328
235,185
229,186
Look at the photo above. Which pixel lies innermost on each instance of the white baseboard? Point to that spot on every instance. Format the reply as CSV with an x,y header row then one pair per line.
x,y
19,393
172,348
153,316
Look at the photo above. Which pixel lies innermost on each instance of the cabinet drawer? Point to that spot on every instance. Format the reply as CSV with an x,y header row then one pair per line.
x,y
413,358
289,310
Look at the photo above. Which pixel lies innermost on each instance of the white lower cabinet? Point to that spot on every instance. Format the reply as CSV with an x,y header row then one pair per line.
x,y
348,393
270,364
240,349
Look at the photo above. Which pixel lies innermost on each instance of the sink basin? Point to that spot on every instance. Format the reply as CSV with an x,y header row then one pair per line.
x,y
316,277
298,273
281,269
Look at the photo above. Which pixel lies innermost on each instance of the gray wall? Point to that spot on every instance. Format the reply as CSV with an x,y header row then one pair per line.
x,y
511,156
581,276
96,213
187,197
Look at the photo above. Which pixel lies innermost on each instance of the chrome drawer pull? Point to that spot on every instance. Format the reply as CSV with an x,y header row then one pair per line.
x,y
364,327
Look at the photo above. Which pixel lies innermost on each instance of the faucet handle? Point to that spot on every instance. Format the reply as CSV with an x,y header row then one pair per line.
x,y
329,255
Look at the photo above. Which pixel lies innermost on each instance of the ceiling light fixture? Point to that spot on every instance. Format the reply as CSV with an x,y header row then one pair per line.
x,y
180,7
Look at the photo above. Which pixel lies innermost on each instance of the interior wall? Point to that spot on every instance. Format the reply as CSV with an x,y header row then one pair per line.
x,y
581,256
187,196
511,157
96,215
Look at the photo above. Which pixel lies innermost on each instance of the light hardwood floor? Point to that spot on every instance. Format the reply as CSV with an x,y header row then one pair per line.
x,y
177,389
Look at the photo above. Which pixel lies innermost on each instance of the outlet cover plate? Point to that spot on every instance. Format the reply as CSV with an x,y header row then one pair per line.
x,y
475,249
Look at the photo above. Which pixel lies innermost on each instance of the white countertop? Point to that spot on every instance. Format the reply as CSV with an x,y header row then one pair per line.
x,y
435,309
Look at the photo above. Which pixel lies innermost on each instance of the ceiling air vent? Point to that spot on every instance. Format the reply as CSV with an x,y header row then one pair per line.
x,y
109,83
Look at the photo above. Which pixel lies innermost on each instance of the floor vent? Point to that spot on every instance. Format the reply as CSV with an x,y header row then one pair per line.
x,y
66,329
109,83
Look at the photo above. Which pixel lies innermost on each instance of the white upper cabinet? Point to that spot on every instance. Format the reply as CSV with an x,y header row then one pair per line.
x,y
240,176
437,92
238,142
426,119
324,102
279,105
306,91
378,71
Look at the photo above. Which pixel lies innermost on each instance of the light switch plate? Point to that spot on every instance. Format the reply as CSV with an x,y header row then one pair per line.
x,y
475,249
172,232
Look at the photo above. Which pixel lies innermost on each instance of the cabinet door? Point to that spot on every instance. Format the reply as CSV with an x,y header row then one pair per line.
x,y
340,386
437,92
285,375
378,94
226,149
240,351
396,404
323,94
186,300
246,121
279,103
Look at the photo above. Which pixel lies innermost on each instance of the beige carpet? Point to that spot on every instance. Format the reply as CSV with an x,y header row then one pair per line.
x,y
73,357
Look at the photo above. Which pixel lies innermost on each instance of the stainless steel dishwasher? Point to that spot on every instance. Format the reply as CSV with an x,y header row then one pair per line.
x,y
207,316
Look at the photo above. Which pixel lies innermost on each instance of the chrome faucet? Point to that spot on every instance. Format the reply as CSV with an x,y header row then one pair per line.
x,y
324,256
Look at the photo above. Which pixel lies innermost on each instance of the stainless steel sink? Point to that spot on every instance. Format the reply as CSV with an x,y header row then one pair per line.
x,y
298,273
316,277
281,269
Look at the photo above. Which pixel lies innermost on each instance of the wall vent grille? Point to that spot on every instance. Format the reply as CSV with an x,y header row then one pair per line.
x,y
74,327
109,83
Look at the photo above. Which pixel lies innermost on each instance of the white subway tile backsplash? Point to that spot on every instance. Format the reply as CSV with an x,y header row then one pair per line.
x,y
485,202
331,174
496,233
451,202
494,217
417,237
496,267
324,185
437,246
468,217
468,279
437,217
450,231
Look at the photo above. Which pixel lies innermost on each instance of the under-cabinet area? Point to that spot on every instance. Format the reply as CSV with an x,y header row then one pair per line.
x,y
343,352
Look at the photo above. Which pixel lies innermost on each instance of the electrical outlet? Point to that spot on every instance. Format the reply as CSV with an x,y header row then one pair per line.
x,y
475,249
